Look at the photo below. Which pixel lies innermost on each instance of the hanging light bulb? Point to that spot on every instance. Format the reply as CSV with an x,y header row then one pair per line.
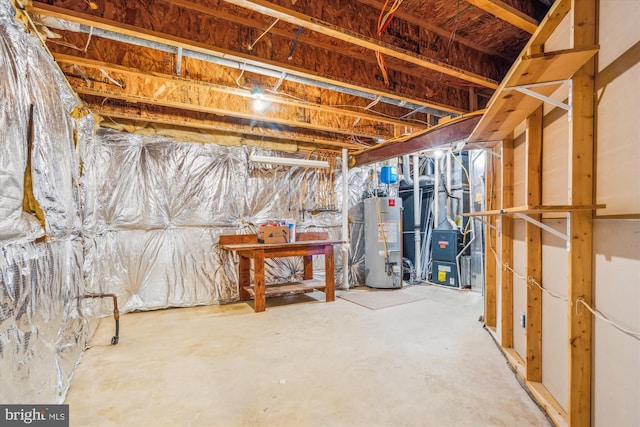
x,y
259,103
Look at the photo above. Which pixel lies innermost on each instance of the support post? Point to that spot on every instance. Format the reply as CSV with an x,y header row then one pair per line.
x,y
345,219
506,290
490,310
533,247
581,169
417,202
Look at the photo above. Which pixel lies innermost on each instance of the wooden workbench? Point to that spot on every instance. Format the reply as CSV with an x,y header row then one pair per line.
x,y
248,248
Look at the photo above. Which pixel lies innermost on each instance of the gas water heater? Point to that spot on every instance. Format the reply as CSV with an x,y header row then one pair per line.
x,y
383,242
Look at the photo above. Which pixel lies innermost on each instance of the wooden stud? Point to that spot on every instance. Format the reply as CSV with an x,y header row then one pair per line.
x,y
491,189
533,248
581,169
506,290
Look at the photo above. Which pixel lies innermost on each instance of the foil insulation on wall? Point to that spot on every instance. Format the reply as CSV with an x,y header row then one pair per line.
x,y
43,324
160,207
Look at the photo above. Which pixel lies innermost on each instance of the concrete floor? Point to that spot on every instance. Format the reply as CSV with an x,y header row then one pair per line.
x,y
302,363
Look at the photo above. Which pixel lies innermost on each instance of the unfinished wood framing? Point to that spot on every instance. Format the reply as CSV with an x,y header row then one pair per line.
x,y
491,201
507,13
505,111
533,247
506,235
581,158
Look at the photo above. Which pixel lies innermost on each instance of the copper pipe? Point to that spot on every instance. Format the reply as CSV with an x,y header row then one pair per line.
x,y
116,313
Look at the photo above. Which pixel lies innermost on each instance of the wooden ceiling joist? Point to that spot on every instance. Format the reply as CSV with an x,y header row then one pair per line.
x,y
412,19
241,92
509,14
313,24
135,86
242,58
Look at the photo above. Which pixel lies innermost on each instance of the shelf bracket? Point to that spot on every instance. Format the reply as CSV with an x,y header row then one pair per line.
x,y
548,229
526,89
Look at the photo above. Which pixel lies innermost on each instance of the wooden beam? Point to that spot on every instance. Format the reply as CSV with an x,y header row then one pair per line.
x,y
491,191
581,189
506,289
172,91
503,11
270,9
454,130
171,40
533,247
153,117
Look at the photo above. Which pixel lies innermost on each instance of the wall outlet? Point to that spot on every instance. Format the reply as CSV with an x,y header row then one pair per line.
x,y
523,320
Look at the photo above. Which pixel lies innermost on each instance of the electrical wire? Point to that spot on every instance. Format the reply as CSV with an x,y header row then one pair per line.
x,y
532,281
250,47
604,318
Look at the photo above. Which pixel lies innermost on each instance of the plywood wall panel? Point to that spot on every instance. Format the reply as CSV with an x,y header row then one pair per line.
x,y
555,155
555,356
519,167
617,295
618,110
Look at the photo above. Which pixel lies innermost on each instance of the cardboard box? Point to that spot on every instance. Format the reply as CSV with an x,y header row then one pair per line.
x,y
273,234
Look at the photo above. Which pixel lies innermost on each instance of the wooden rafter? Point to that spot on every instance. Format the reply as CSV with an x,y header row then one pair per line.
x,y
330,30
507,13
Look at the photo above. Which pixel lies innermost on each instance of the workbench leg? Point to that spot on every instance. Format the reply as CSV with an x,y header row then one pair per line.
x,y
329,290
308,267
244,278
258,282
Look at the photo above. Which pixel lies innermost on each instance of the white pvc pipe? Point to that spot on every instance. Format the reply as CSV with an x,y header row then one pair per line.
x,y
417,201
449,201
436,192
345,218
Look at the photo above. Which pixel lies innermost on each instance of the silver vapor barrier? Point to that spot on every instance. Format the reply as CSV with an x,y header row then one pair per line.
x,y
142,221
159,207
44,326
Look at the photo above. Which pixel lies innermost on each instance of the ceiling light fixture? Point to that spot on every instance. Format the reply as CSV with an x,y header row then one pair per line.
x,y
259,103
288,161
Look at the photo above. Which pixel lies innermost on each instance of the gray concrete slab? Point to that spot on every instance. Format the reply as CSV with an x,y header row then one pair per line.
x,y
302,362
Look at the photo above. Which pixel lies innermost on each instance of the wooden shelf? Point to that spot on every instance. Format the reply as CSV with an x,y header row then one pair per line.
x,y
508,107
290,287
537,209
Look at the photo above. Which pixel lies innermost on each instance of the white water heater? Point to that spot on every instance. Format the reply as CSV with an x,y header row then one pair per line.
x,y
383,242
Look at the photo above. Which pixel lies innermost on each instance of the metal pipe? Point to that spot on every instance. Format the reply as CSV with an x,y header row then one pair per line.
x,y
345,218
116,313
453,224
417,201
238,64
436,193
406,174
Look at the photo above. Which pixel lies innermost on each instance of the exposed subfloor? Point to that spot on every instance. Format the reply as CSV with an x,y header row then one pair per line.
x,y
302,362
